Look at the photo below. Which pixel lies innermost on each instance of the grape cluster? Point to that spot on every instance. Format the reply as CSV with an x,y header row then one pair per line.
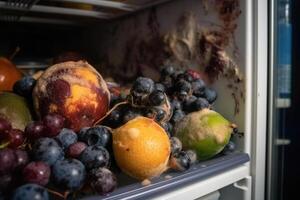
x,y
145,99
187,92
57,157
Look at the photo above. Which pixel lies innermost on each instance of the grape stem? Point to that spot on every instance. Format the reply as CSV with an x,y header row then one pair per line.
x,y
3,145
63,196
16,51
108,113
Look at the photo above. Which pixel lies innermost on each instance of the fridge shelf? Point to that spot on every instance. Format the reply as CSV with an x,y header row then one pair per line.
x,y
51,11
201,173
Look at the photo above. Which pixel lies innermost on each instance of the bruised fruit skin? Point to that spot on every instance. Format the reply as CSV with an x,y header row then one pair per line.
x,y
141,148
74,90
205,131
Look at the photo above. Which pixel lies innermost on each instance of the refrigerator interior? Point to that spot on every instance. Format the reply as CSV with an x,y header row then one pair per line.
x,y
133,43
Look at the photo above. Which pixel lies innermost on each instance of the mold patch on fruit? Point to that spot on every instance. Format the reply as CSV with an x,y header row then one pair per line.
x,y
74,90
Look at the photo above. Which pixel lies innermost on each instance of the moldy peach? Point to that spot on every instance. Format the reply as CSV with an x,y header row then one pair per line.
x,y
74,90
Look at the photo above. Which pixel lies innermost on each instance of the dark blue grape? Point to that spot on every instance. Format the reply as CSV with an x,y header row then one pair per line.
x,y
176,145
82,132
198,87
235,130
167,82
167,71
94,157
66,137
199,104
180,77
160,114
188,77
98,135
114,99
24,86
143,85
210,95
183,85
156,98
160,87
176,105
177,116
230,147
130,113
69,173
30,192
181,161
167,126
182,95
187,104
115,118
47,150
103,181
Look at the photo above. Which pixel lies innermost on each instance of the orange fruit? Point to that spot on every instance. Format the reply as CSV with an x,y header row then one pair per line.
x,y
9,74
141,148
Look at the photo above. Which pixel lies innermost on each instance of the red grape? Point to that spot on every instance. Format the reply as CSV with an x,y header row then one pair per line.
x,y
15,138
53,124
7,160
21,158
37,172
76,149
34,130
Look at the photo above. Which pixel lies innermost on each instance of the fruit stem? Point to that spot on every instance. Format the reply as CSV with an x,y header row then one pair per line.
x,y
3,145
63,196
16,51
112,109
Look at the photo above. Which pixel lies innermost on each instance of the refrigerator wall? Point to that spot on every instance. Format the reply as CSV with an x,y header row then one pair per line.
x,y
131,45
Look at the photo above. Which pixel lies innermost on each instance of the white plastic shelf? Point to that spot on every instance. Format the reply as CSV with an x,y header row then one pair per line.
x,y
16,10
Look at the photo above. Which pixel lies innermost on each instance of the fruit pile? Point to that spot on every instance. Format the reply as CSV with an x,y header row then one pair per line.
x,y
69,149
57,156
